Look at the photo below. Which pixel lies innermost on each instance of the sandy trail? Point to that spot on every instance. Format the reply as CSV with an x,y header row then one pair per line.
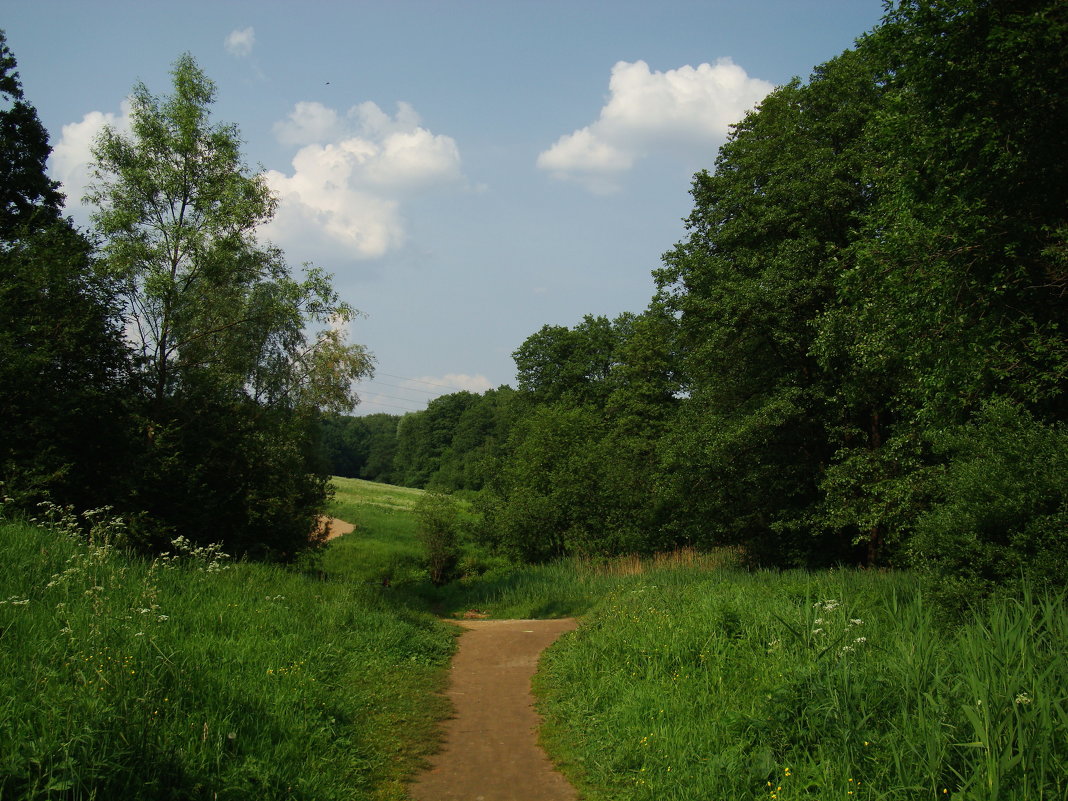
x,y
337,527
491,751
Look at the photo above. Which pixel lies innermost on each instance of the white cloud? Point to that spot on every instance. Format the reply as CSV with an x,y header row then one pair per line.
x,y
71,156
686,111
240,42
461,381
308,123
343,197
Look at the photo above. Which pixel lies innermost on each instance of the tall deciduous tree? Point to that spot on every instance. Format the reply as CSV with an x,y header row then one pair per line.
x,y
766,238
231,379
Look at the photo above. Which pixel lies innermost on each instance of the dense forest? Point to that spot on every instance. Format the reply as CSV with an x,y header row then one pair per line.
x,y
854,356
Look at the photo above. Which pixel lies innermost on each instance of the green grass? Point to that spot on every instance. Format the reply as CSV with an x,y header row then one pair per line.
x,y
384,548
807,686
689,679
122,678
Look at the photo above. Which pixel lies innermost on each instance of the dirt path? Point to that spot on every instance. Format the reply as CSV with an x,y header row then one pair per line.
x,y
491,751
334,527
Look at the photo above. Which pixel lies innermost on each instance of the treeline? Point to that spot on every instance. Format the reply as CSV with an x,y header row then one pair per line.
x,y
159,363
855,355
448,447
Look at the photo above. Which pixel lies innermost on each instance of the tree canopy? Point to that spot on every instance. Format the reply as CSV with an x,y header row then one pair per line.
x,y
63,366
169,371
856,353
231,381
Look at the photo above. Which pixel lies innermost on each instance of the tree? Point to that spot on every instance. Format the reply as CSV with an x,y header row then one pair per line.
x,y
438,517
218,324
560,363
63,367
954,295
767,237
27,195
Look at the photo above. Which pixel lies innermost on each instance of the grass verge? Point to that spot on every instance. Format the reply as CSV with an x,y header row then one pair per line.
x,y
191,678
807,686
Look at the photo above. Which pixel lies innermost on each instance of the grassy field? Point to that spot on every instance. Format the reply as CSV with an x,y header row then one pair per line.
x,y
692,679
191,678
808,686
384,548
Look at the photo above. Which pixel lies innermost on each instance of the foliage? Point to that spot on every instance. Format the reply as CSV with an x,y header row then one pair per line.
x,y
873,276
172,679
28,197
231,382
765,243
63,366
999,510
439,522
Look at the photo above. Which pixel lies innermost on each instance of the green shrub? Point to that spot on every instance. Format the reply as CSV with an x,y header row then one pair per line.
x,y
1000,512
439,521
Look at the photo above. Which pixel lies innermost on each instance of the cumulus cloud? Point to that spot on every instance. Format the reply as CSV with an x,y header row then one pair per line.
x,y
71,155
686,111
343,196
461,381
240,42
351,175
309,123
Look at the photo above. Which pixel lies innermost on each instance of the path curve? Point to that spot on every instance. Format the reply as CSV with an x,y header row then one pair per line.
x,y
334,527
491,751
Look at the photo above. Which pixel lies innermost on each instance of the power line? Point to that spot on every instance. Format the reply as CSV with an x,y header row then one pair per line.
x,y
394,397
387,405
398,386
428,383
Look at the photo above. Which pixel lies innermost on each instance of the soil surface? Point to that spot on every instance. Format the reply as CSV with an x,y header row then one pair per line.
x,y
491,752
335,527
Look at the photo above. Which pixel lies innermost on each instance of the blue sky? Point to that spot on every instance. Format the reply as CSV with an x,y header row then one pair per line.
x,y
469,171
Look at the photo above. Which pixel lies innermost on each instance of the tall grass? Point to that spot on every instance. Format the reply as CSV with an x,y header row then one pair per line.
x,y
808,686
191,678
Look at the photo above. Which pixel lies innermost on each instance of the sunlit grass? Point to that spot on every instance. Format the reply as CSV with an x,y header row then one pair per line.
x,y
384,549
191,678
808,686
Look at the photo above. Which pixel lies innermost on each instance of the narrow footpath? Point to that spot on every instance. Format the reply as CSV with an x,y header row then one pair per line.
x,y
491,751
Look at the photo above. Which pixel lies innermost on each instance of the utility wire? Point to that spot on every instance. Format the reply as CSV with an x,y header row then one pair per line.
x,y
428,383
398,386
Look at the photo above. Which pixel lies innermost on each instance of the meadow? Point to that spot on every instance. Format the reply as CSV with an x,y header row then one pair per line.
x,y
690,678
192,677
